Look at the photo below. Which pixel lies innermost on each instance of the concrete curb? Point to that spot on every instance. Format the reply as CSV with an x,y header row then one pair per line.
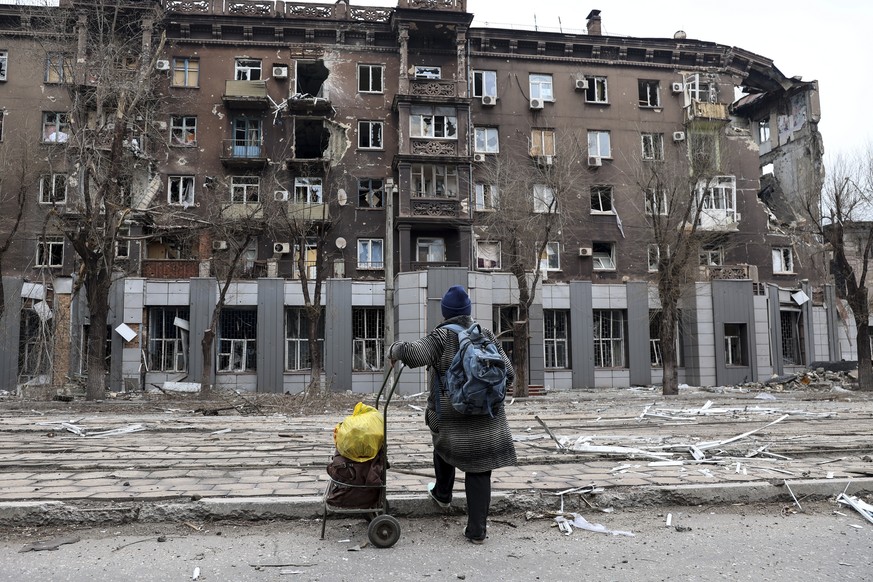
x,y
57,513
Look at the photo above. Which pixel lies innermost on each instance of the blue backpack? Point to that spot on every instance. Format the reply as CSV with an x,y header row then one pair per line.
x,y
476,379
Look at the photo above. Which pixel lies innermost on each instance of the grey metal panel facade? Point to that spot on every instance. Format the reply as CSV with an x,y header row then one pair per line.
x,y
640,361
271,335
690,348
10,327
833,333
438,282
114,318
536,357
338,334
775,331
581,338
808,325
203,297
733,302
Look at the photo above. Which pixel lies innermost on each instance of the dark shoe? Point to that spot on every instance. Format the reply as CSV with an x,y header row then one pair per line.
x,y
477,541
443,504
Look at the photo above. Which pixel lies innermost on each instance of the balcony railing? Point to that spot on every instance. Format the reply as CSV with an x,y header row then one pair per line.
x,y
436,207
422,265
432,88
723,272
283,9
246,94
170,268
447,5
706,111
243,153
432,147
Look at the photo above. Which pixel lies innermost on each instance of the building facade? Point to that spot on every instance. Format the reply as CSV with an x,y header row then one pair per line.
x,y
354,148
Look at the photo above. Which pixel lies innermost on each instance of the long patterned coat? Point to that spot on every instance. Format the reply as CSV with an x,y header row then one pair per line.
x,y
472,443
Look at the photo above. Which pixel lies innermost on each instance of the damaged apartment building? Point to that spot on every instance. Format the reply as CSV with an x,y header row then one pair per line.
x,y
351,144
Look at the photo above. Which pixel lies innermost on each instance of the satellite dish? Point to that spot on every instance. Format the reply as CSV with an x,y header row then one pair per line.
x,y
342,197
680,35
340,243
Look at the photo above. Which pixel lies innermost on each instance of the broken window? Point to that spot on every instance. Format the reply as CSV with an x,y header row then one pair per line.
x,y
487,197
425,72
434,181
311,76
297,355
55,127
183,130
609,334
654,257
308,191
700,88
53,189
649,92
783,260
793,353
58,68
487,255
433,122
541,87
50,252
718,200
237,333
247,70
764,131
556,338
122,243
603,256
485,84
601,200
368,328
370,135
245,189
371,193
170,247
711,256
180,190
431,250
487,140
4,64
310,259
544,200
597,90
550,259
655,353
653,146
168,339
704,151
735,344
186,72
599,145
370,254
35,341
311,139
247,138
656,202
503,317
542,142
370,78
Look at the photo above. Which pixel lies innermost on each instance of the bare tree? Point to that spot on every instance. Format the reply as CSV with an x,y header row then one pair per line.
x,y
16,173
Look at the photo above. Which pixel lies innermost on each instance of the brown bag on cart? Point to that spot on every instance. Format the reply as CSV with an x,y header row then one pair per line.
x,y
366,476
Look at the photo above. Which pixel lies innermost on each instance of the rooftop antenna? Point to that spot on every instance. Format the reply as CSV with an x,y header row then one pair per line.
x,y
560,25
535,23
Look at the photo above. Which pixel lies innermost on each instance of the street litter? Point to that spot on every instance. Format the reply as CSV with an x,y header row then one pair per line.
x,y
196,573
79,431
865,509
52,544
222,431
575,520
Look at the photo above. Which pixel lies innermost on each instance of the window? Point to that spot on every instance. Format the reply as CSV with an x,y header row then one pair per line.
x,y
487,141
655,351
542,142
711,256
180,190
370,254
53,189
370,78
310,259
541,87
650,95
50,252
308,191
368,329
237,336
601,200
791,327
598,144
183,131
596,91
656,202
503,317
168,342
484,84
603,256
550,259
487,197
4,64
764,131
186,72
556,338
735,352
35,341
704,151
717,199
487,255
609,334
247,138
654,257
55,127
58,68
245,189
84,350
433,122
653,147
700,88
432,181
783,261
122,244
247,70
425,72
544,199
371,193
431,250
370,135
297,339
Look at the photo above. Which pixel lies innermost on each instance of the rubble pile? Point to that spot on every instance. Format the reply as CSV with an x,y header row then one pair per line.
x,y
818,379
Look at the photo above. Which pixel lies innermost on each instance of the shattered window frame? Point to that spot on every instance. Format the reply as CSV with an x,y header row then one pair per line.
x,y
735,344
308,190
58,68
434,181
550,259
425,72
487,197
50,252
602,198
487,140
610,331
764,131
488,255
183,131
180,190
4,67
245,189
603,256
371,135
58,120
186,72
484,84
556,338
168,342
649,93
297,355
430,249
367,82
371,254
544,199
793,338
783,261
711,256
598,90
237,341
656,199
247,69
433,122
654,257
652,147
371,193
53,188
368,343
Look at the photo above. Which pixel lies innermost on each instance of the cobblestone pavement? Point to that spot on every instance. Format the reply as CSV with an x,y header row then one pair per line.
x,y
623,438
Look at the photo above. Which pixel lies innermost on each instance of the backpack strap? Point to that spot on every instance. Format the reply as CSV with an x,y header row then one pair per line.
x,y
439,385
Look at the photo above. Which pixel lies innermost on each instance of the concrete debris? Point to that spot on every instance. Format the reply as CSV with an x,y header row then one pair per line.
x,y
568,521
52,544
865,509
79,431
819,377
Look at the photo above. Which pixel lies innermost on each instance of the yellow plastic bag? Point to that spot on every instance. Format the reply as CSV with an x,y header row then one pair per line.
x,y
360,435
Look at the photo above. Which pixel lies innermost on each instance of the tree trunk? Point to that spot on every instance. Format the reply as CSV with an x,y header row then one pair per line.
x,y
316,359
97,285
207,351
669,357
519,356
865,368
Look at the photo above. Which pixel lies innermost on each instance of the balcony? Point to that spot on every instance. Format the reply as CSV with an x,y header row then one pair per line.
x,y
308,212
170,268
728,272
447,5
432,88
706,111
243,153
434,207
245,95
718,219
242,212
432,147
424,265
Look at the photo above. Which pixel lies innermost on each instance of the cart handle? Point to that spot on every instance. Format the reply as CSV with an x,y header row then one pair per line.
x,y
390,392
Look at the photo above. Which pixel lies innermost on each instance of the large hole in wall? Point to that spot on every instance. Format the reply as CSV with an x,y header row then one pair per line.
x,y
311,138
311,76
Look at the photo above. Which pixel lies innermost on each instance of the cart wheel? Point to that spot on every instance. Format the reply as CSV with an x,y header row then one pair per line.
x,y
384,531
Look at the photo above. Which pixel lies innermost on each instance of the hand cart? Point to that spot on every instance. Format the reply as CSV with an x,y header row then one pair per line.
x,y
384,530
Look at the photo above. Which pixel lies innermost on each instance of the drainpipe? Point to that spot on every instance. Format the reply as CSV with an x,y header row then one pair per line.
x,y
388,258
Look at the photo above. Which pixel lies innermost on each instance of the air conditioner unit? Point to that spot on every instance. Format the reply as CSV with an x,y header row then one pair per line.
x,y
478,157
677,87
678,136
595,161
584,251
581,84
219,245
280,195
281,248
280,72
489,100
536,103
162,65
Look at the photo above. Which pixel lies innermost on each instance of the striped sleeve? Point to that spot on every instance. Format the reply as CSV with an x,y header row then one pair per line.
x,y
426,351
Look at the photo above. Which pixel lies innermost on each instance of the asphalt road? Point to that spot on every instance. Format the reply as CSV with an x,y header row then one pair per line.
x,y
763,543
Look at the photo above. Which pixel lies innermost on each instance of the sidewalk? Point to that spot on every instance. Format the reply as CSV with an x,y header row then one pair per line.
x,y
634,446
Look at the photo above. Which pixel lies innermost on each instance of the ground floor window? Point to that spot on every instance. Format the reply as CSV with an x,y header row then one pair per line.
x,y
368,329
84,350
237,336
556,338
609,338
503,317
791,328
735,345
656,358
297,355
36,337
168,339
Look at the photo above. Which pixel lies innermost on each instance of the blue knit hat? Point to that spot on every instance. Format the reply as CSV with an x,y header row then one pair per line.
x,y
455,302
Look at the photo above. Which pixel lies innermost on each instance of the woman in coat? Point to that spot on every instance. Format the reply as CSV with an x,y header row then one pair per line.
x,y
475,444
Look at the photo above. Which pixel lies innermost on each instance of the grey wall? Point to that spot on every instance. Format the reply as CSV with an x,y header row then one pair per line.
x,y
733,302
582,340
114,318
808,325
338,334
439,280
204,295
271,335
833,332
640,361
10,327
775,332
